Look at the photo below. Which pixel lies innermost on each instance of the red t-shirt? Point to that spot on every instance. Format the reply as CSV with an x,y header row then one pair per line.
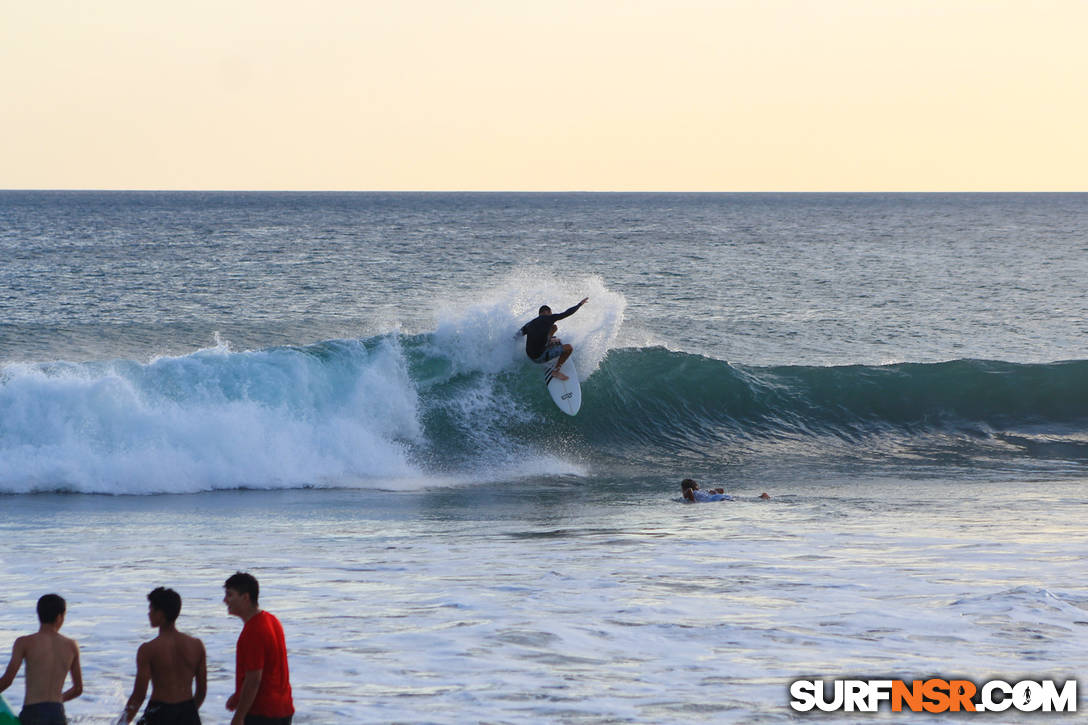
x,y
261,646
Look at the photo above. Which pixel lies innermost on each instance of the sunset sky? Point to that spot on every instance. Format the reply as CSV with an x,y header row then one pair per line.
x,y
598,95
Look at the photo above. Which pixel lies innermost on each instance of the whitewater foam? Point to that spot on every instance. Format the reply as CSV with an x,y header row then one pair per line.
x,y
213,419
390,411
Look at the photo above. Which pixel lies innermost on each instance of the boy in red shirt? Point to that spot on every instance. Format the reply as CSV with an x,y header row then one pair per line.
x,y
262,694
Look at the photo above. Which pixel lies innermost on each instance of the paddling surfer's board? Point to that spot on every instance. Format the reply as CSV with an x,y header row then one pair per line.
x,y
567,394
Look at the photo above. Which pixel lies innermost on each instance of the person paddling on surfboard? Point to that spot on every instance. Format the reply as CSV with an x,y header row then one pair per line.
x,y
541,345
693,493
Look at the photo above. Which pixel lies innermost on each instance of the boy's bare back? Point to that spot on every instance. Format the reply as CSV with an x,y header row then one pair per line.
x,y
174,660
49,657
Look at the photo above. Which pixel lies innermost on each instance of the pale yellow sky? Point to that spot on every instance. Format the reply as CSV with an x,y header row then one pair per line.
x,y
672,95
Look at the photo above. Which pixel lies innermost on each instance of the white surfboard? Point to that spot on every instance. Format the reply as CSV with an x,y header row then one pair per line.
x,y
567,394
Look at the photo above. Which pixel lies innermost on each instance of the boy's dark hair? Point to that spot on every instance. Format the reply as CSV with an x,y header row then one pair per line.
x,y
166,601
51,606
544,310
686,484
244,583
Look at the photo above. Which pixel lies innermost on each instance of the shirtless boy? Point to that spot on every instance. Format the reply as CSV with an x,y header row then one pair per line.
x,y
50,658
171,661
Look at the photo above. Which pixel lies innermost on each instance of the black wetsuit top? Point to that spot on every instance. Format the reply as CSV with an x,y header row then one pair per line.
x,y
538,331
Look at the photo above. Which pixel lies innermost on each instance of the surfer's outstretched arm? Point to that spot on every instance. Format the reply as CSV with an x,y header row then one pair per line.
x,y
571,311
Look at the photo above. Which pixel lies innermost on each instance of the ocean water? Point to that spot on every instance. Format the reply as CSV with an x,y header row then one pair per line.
x,y
324,389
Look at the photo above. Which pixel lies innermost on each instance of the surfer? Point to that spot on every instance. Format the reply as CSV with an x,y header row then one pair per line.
x,y
541,344
693,493
50,658
171,661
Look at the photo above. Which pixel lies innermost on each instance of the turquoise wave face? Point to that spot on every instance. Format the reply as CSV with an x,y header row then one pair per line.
x,y
967,411
396,410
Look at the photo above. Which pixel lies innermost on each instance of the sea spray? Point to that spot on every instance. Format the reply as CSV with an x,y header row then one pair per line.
x,y
485,409
480,335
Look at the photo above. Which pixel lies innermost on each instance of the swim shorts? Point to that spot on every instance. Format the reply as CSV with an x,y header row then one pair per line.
x,y
170,713
263,720
43,713
553,350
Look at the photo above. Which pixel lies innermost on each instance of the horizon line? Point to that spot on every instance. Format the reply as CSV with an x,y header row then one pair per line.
x,y
524,191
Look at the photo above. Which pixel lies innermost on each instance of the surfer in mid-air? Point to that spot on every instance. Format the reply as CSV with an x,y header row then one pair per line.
x,y
541,344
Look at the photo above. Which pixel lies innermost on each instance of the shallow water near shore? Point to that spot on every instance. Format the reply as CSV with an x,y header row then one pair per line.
x,y
539,601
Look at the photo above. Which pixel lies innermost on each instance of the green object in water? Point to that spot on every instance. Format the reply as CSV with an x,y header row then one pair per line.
x,y
7,717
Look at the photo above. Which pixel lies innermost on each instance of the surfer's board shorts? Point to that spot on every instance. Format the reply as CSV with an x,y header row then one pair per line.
x,y
553,350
